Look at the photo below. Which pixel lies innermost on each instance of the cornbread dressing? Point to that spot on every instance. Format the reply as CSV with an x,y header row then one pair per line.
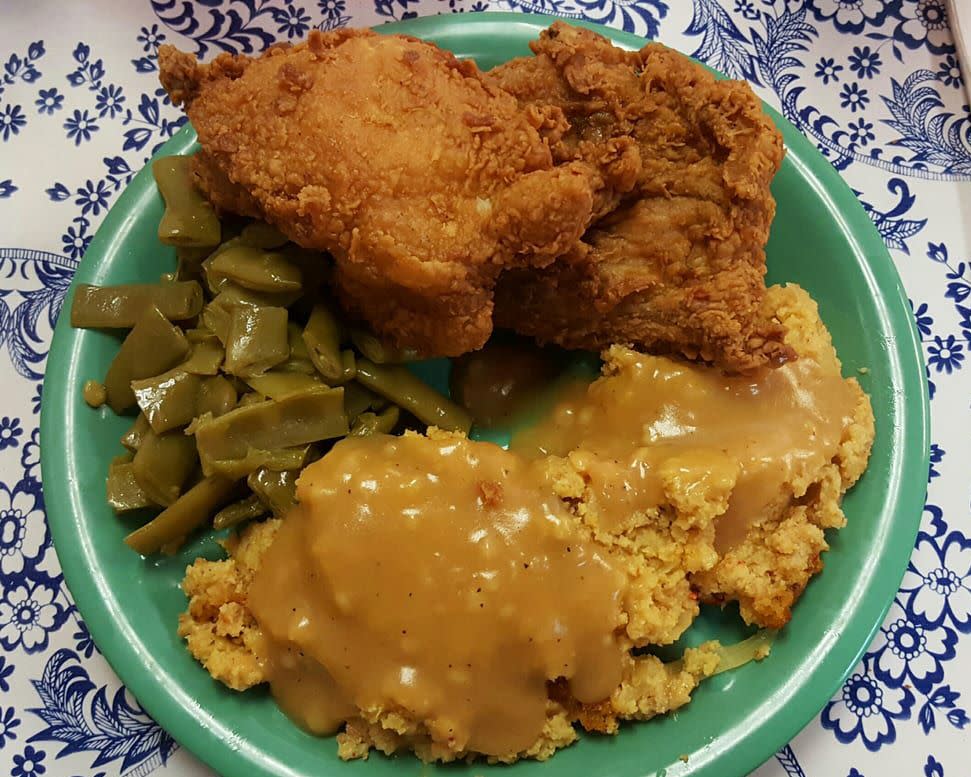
x,y
463,631
598,530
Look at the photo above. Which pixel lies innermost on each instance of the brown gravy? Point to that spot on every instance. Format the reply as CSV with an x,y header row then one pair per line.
x,y
440,577
655,413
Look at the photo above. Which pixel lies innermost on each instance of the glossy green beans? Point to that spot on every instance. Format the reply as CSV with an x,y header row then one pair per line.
x,y
206,356
163,464
190,511
276,460
132,439
367,424
124,493
238,512
276,490
256,340
379,352
322,336
189,219
357,399
152,347
216,397
119,307
404,389
297,419
254,269
277,385
168,400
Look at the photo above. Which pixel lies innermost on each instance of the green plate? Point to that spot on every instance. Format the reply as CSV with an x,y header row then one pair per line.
x,y
821,239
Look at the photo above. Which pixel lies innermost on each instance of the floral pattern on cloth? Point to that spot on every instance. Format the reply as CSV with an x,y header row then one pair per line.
x,y
875,84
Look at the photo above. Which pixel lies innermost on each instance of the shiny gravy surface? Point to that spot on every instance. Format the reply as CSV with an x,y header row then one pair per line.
x,y
441,576
653,412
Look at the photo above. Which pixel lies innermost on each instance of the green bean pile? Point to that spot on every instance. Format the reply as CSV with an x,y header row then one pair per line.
x,y
240,373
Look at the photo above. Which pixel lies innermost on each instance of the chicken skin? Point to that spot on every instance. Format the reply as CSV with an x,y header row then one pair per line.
x,y
679,266
420,177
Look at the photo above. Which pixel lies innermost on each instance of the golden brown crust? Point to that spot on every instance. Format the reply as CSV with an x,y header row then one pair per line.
x,y
420,178
680,265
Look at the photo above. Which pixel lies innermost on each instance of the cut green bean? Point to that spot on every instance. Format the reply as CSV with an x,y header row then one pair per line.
x,y
297,419
132,439
276,489
190,511
299,359
252,398
277,385
189,219
371,347
367,424
348,366
254,269
357,399
189,263
259,234
206,356
239,512
216,397
119,307
217,314
322,336
276,460
256,341
153,346
406,390
163,464
124,493
168,400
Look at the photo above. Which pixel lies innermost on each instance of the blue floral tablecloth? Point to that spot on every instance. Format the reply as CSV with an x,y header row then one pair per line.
x,y
874,83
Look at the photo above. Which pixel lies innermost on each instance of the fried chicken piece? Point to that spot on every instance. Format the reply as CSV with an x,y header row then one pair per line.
x,y
680,265
422,179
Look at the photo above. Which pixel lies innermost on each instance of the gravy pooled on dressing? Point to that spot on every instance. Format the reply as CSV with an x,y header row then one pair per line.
x,y
652,414
439,576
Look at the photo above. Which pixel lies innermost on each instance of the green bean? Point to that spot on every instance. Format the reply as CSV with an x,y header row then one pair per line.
x,y
205,358
276,490
94,393
236,513
216,397
119,307
279,459
124,493
132,439
299,359
168,400
152,347
297,419
379,352
189,219
187,513
367,424
357,399
277,385
322,336
401,387
217,314
348,366
252,398
257,340
259,234
189,263
163,464
252,268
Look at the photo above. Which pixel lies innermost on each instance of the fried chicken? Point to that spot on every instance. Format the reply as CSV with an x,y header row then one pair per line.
x,y
422,179
680,265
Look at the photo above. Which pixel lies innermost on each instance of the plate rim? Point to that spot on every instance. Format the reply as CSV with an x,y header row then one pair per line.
x,y
911,438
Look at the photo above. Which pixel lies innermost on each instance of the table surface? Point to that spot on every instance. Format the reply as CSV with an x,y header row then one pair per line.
x,y
874,83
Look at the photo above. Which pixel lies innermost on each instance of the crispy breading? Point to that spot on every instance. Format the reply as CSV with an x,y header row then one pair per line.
x,y
680,265
398,158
